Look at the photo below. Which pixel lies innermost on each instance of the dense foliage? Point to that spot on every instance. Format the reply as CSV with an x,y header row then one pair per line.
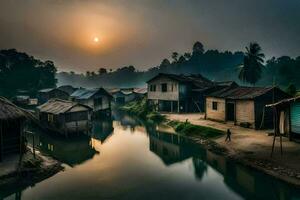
x,y
141,109
216,65
19,71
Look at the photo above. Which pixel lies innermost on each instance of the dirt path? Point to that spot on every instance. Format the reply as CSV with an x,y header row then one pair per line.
x,y
253,145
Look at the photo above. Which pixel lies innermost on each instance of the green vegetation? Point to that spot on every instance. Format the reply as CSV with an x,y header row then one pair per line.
x,y
188,129
21,72
251,70
142,110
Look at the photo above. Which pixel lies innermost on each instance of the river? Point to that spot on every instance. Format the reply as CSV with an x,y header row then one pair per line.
x,y
125,159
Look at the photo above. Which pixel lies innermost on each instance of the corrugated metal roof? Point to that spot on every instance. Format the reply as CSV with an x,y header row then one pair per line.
x,y
197,80
140,90
47,90
58,106
240,92
82,93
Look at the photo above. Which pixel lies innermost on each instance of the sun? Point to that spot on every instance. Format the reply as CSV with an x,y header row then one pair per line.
x,y
96,39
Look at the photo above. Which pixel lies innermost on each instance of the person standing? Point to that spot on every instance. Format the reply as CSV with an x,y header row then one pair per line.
x,y
228,137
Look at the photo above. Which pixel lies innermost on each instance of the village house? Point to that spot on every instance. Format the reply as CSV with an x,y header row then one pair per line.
x,y
244,106
287,117
64,116
122,96
12,120
180,93
52,93
140,92
125,95
67,88
98,99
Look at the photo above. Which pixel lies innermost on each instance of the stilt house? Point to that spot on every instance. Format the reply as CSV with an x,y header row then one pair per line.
x,y
12,119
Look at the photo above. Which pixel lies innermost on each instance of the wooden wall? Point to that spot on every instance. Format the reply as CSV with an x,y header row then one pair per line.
x,y
245,112
218,114
169,95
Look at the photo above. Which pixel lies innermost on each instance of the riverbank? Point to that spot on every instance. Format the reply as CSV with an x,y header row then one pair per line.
x,y
249,147
29,172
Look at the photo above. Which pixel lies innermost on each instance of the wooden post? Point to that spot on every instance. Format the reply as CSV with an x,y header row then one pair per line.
x,y
33,145
1,142
171,106
178,107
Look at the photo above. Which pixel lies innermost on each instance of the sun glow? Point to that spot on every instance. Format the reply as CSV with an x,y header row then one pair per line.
x,y
96,39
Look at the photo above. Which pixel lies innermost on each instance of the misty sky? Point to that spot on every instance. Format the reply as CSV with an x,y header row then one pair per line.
x,y
143,32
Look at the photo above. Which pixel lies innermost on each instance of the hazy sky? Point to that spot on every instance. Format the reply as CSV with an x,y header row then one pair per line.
x,y
143,32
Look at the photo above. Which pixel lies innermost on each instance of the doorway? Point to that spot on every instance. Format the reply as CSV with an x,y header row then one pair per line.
x,y
230,111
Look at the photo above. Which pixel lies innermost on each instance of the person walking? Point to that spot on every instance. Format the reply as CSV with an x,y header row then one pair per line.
x,y
228,137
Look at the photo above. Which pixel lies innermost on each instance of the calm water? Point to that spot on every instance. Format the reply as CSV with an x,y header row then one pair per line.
x,y
124,159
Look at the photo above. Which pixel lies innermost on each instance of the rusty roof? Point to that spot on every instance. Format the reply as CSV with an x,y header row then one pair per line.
x,y
197,80
240,92
58,106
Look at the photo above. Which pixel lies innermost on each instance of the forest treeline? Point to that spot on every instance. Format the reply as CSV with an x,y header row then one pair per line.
x,y
216,65
22,72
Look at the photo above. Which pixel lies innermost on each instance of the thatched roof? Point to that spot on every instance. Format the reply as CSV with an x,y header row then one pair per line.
x,y
9,111
58,106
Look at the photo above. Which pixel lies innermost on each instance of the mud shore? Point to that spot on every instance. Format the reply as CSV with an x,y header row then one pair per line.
x,y
31,171
254,153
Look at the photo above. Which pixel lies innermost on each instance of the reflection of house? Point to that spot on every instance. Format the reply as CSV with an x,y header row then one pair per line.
x,y
51,93
243,105
167,147
11,128
288,116
73,151
64,116
98,99
178,93
101,130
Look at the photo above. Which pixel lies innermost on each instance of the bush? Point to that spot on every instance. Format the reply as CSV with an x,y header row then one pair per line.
x,y
141,109
189,129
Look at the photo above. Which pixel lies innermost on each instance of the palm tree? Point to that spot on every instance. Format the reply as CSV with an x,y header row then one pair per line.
x,y
253,65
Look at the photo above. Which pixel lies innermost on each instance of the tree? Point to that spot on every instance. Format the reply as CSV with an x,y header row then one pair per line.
x,y
181,59
19,71
198,48
102,71
187,55
175,57
88,74
252,67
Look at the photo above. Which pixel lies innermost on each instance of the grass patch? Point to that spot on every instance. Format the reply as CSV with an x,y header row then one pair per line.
x,y
188,129
141,109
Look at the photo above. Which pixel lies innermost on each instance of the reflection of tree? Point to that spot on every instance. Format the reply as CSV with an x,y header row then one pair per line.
x,y
200,167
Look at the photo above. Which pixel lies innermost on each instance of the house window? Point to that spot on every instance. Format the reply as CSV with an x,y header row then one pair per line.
x,y
98,102
164,87
215,105
152,88
50,118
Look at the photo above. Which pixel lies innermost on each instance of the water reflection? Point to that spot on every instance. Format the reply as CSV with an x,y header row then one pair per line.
x,y
126,158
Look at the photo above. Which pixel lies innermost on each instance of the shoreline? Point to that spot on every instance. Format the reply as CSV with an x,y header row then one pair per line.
x,y
267,166
33,171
